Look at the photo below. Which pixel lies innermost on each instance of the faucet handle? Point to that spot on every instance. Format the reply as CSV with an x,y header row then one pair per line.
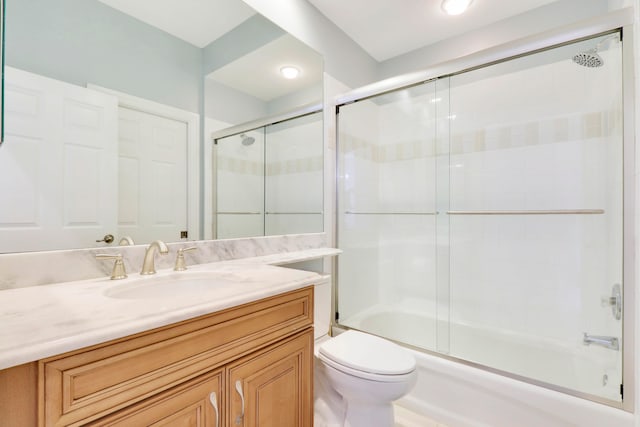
x,y
118,271
180,263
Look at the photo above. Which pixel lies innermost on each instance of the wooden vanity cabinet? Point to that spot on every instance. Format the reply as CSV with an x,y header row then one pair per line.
x,y
172,376
269,388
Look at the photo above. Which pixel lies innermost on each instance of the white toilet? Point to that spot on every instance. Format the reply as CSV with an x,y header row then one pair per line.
x,y
358,376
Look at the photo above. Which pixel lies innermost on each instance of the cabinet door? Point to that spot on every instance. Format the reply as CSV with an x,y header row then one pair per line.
x,y
273,388
196,403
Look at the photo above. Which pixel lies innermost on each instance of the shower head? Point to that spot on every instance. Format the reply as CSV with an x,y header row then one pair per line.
x,y
589,58
247,140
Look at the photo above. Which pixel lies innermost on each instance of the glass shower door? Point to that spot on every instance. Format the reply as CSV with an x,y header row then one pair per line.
x,y
239,196
481,216
535,217
294,176
387,215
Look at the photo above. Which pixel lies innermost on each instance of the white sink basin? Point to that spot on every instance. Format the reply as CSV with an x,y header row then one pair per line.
x,y
179,285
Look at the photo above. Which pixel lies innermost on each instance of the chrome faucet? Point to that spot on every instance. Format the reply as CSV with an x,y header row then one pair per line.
x,y
148,266
604,341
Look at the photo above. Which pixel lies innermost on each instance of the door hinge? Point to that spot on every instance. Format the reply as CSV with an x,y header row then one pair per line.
x,y
337,316
184,234
622,391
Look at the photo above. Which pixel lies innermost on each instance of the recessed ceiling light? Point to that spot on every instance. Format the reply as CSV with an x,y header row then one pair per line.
x,y
289,72
455,7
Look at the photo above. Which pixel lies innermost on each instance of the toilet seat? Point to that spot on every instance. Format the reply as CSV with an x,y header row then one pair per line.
x,y
367,356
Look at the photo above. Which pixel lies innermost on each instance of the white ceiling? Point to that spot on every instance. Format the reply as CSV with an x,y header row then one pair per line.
x,y
387,28
285,50
198,22
383,28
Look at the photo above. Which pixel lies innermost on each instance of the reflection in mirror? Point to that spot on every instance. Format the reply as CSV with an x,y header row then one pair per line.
x,y
104,102
269,181
254,97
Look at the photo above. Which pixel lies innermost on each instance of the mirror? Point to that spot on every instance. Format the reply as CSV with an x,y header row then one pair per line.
x,y
269,181
109,106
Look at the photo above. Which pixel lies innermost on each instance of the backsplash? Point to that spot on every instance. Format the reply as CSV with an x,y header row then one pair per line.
x,y
24,269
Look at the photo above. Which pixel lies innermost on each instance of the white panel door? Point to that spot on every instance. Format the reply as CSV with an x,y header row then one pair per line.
x,y
58,165
152,176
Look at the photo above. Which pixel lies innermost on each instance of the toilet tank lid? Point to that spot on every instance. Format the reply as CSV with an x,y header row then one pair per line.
x,y
368,353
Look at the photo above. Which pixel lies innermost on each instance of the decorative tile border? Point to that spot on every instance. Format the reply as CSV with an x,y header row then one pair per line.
x,y
550,131
284,167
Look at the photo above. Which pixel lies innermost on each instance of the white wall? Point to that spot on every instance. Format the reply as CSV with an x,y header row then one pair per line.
x,y
102,46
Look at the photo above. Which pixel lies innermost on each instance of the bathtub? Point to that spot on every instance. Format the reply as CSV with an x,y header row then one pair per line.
x,y
461,395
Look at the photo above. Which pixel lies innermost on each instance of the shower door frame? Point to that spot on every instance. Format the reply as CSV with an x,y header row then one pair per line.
x,y
211,201
620,20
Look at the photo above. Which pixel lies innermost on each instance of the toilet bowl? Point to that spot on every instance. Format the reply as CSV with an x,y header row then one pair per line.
x,y
362,375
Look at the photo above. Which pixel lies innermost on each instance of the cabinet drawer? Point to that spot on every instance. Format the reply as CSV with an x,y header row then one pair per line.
x,y
91,383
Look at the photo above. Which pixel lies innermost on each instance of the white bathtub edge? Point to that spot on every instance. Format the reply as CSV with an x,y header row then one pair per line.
x,y
464,396
438,414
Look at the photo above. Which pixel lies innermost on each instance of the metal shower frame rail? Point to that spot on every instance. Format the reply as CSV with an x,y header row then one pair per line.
x,y
302,111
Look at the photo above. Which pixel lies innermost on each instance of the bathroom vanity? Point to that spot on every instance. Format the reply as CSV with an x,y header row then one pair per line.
x,y
242,355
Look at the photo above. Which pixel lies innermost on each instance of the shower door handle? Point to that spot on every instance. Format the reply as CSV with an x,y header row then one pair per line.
x,y
607,342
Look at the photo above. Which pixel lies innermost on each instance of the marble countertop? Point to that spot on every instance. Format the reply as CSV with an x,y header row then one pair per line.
x,y
43,321
287,257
